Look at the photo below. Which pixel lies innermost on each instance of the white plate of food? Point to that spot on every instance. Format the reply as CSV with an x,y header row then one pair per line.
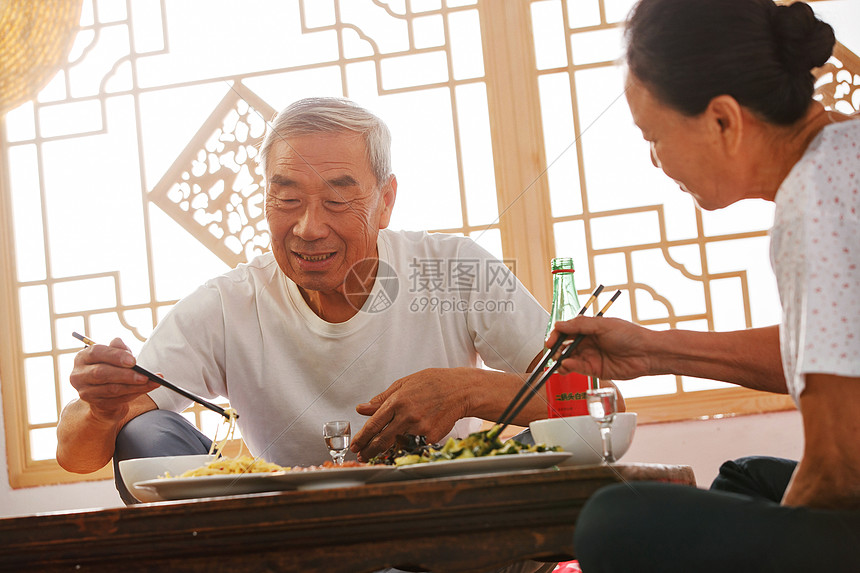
x,y
138,470
235,484
484,465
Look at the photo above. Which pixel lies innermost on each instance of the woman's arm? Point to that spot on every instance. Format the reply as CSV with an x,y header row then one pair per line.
x,y
828,476
620,350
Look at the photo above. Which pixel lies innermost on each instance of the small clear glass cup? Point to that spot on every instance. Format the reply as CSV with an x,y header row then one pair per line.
x,y
602,406
337,434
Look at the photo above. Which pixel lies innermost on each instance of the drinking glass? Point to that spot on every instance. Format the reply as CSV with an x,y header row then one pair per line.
x,y
602,408
337,434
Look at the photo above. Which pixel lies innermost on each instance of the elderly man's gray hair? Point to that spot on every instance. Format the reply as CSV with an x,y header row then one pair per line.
x,y
315,115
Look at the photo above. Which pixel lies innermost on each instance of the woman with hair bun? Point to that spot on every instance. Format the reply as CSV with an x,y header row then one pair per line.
x,y
722,90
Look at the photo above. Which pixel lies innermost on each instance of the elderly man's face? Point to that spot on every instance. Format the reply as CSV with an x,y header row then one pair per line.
x,y
324,207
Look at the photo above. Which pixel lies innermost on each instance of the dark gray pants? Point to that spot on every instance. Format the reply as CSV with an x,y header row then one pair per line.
x,y
737,526
155,434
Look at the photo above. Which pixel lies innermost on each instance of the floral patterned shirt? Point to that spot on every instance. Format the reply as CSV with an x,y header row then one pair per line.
x,y
815,253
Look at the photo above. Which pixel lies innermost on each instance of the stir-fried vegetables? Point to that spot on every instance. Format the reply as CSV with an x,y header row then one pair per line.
x,y
475,445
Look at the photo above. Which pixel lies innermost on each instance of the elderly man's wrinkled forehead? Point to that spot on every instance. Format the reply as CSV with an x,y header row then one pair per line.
x,y
335,160
318,150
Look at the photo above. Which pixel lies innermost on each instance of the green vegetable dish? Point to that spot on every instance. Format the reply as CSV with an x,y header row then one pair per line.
x,y
415,451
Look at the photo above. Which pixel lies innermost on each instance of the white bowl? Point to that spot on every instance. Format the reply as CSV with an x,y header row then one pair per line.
x,y
580,436
142,469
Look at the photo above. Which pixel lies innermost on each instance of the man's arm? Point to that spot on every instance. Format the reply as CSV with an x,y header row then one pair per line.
x,y
430,401
111,394
828,476
619,350
85,441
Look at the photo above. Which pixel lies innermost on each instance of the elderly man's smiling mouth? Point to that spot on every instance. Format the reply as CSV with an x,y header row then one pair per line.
x,y
314,257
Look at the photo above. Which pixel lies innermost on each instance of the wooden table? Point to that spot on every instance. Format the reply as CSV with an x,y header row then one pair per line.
x,y
445,524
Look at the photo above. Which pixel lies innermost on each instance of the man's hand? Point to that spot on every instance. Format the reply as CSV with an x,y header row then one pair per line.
x,y
427,403
111,394
104,379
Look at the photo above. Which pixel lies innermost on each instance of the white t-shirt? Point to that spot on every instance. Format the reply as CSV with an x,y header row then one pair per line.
x,y
438,301
815,252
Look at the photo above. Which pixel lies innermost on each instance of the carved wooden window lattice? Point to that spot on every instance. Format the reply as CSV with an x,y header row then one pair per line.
x,y
136,168
630,227
214,189
838,81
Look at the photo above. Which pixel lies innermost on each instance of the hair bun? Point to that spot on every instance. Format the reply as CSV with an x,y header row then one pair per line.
x,y
803,41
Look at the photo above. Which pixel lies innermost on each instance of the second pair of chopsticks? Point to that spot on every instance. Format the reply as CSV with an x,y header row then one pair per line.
x,y
166,384
530,388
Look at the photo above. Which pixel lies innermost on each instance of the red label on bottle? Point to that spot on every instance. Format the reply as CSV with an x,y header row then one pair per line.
x,y
566,395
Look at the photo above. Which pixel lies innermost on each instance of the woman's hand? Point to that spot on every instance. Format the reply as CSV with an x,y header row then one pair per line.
x,y
612,348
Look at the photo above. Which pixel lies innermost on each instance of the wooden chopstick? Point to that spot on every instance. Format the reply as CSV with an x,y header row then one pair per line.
x,y
165,383
564,355
507,416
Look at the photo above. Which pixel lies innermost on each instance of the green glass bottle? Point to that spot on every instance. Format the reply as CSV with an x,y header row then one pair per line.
x,y
565,392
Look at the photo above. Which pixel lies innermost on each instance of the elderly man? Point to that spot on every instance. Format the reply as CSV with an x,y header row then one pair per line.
x,y
344,319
